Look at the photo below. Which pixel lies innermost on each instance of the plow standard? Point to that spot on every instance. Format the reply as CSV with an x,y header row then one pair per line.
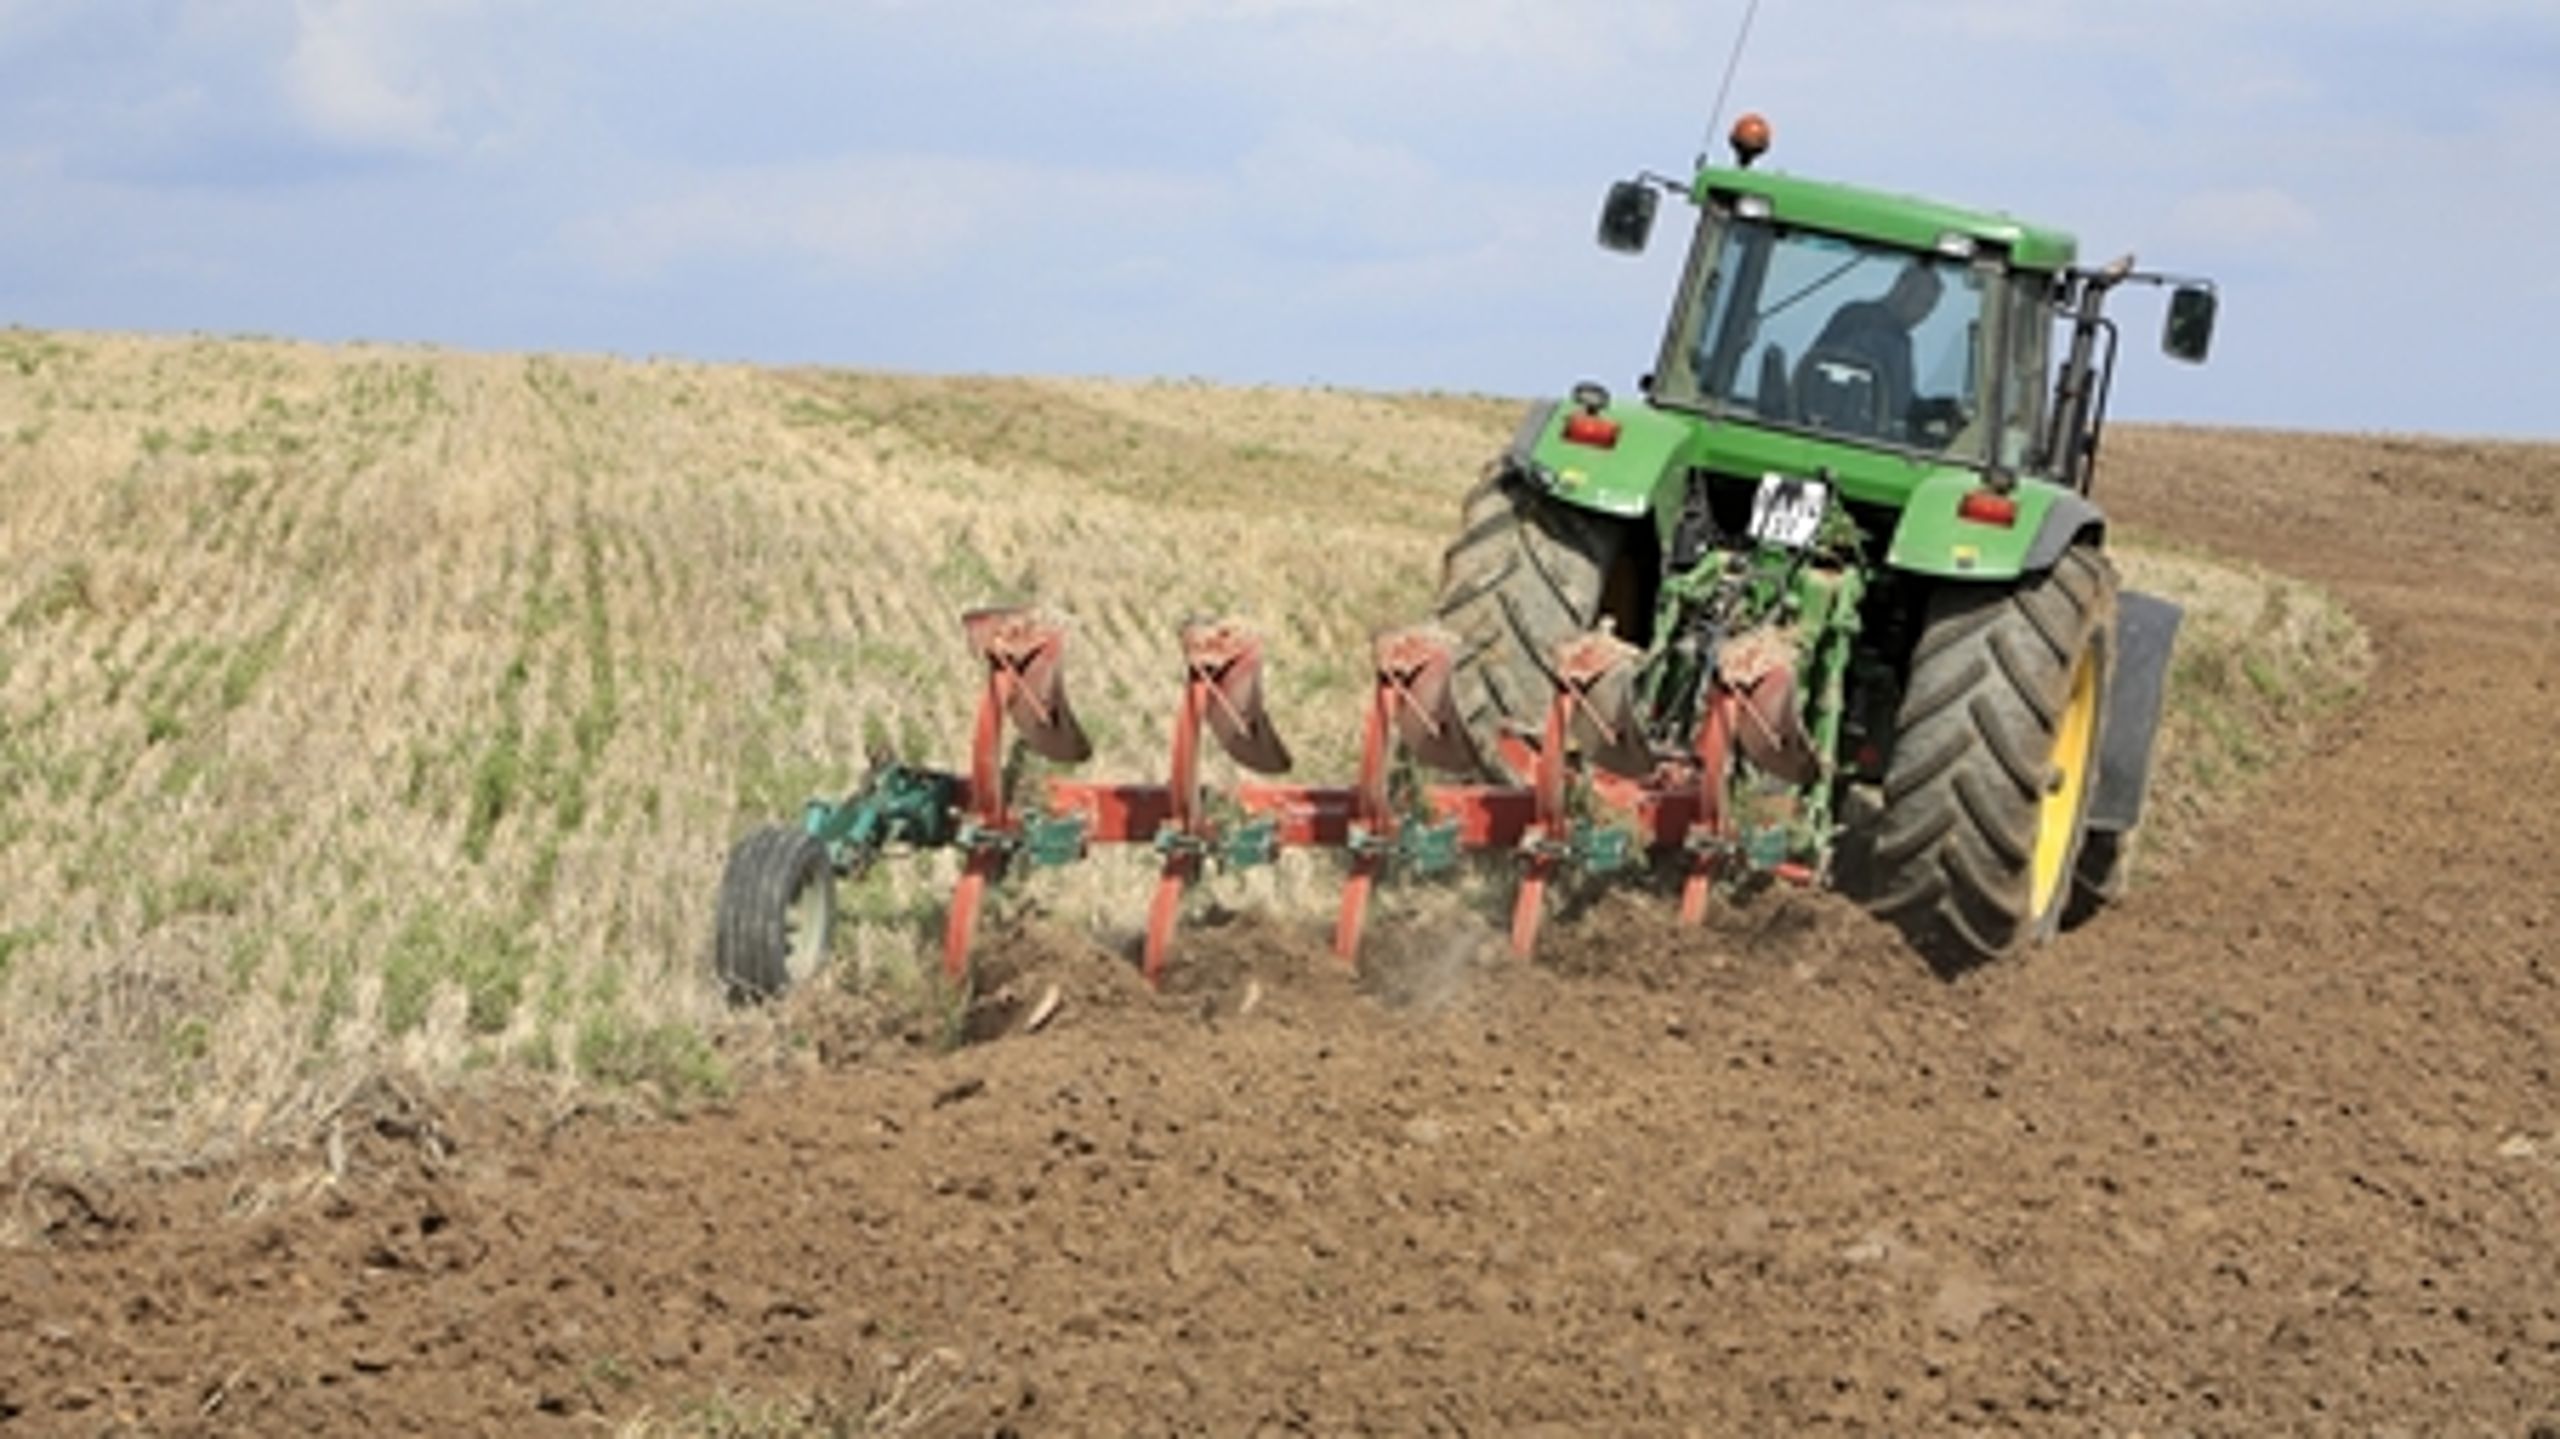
x,y
1836,578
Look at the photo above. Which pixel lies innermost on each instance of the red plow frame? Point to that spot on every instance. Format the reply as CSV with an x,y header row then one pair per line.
x,y
1624,798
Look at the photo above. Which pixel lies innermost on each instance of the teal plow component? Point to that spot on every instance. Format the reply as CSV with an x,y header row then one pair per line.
x,y
896,804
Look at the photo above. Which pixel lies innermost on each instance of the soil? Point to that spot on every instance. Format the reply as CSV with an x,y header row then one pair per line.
x,y
2273,1147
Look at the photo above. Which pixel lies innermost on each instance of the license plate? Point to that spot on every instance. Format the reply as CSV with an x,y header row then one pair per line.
x,y
1788,511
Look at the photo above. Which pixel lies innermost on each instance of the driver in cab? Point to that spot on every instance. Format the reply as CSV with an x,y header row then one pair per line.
x,y
1879,332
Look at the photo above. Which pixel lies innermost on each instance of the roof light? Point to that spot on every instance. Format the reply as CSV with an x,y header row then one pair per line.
x,y
1750,138
1956,245
1751,207
1985,508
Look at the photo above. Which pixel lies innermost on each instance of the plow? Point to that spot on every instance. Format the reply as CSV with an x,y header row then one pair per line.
x,y
1829,605
1550,815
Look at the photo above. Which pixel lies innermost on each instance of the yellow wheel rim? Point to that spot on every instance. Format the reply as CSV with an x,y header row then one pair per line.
x,y
2058,817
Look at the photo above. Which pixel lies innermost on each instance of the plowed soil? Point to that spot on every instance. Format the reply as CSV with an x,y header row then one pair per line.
x,y
2272,1148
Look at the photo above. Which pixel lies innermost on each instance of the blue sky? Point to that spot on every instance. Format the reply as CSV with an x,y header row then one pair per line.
x,y
1350,192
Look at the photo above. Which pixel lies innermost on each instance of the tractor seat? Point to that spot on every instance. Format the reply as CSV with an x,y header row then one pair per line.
x,y
1840,390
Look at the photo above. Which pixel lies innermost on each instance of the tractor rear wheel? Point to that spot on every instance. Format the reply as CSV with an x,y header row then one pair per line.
x,y
777,913
1986,796
1524,574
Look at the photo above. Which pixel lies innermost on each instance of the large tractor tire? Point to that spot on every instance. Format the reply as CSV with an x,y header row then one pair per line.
x,y
1979,847
777,913
1525,574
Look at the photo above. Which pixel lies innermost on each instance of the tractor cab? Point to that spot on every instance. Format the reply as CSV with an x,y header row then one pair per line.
x,y
1891,325
1839,337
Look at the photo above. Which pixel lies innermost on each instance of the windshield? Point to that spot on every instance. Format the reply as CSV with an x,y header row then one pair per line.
x,y
1816,332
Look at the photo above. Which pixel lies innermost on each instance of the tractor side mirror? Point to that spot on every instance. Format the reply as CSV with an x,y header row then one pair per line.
x,y
1626,218
2189,331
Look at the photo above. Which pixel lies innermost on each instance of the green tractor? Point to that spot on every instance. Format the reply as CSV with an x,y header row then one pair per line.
x,y
1853,499
1830,603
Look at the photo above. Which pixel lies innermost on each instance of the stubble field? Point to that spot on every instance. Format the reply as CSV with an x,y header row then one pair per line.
x,y
373,722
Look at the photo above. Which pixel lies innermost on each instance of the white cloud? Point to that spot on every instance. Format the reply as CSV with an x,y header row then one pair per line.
x,y
1310,202
873,215
360,73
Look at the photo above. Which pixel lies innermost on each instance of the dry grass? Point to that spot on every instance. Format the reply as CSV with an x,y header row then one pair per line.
x,y
371,705
2261,662
378,707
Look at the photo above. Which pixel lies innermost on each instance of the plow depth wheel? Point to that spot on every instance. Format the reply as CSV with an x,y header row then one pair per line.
x,y
777,913
1986,797
1525,574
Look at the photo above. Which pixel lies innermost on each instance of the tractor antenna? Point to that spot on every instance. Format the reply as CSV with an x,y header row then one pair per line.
x,y
1733,62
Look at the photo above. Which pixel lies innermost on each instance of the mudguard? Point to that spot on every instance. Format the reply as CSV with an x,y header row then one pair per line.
x,y
1644,473
1933,537
2146,632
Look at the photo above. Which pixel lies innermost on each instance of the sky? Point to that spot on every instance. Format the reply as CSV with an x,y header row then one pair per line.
x,y
1369,193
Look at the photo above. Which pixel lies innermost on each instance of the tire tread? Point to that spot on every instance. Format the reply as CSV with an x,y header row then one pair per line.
x,y
1990,679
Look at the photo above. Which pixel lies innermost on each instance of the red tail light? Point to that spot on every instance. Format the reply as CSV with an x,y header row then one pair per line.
x,y
1985,508
1598,431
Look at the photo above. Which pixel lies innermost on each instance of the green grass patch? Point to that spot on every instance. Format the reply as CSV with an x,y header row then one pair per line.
x,y
877,900
69,588
879,737
434,950
245,960
336,973
214,892
776,779
188,1041
26,352
249,663
537,1052
876,658
15,942
674,1059
499,775
599,715
187,769
2241,687
966,574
